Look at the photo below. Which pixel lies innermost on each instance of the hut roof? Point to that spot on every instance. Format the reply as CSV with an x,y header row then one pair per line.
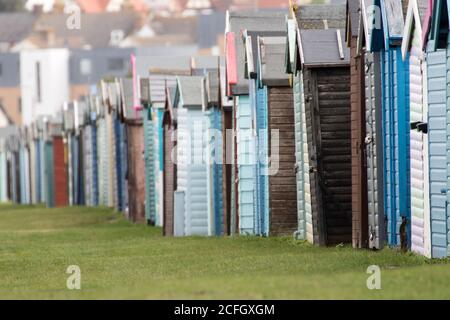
x,y
190,91
225,101
69,117
129,112
237,22
353,16
163,72
272,55
323,48
208,66
418,16
251,49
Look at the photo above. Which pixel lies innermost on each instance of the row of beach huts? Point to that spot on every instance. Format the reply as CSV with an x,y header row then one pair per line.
x,y
327,122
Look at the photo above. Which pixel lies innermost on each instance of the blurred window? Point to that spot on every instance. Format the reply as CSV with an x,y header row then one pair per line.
x,y
85,67
116,64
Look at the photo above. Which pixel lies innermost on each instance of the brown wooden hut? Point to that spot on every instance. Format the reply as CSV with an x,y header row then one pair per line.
x,y
135,142
325,67
358,128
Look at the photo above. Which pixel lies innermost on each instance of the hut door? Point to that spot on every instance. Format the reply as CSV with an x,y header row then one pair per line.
x,y
262,160
149,159
333,140
300,167
374,151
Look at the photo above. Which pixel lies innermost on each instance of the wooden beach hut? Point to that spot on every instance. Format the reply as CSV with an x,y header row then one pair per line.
x,y
135,150
360,226
437,126
370,42
413,45
324,63
243,202
307,17
192,216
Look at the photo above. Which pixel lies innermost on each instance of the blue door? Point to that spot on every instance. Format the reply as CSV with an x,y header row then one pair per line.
x,y
396,131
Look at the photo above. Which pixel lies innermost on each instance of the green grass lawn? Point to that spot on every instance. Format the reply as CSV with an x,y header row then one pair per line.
x,y
123,261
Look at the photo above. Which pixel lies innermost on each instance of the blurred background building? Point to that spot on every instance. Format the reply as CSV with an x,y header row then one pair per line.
x,y
44,63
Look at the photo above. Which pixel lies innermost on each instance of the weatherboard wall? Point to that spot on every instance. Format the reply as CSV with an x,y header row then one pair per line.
x,y
374,151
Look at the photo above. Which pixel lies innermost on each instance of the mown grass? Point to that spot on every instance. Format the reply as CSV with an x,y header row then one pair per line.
x,y
119,260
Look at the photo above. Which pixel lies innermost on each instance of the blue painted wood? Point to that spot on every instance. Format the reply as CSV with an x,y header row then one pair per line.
x,y
438,66
43,171
95,165
38,171
395,103
22,175
192,171
15,179
437,137
49,175
246,167
262,152
119,166
124,162
404,139
217,172
159,166
149,158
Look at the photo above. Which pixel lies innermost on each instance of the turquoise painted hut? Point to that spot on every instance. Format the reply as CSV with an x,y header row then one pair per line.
x,y
192,217
243,200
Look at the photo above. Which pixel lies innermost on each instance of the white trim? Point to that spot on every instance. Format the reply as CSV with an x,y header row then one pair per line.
x,y
365,24
249,51
339,40
300,47
412,21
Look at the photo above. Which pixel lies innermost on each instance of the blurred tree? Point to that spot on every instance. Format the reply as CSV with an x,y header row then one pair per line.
x,y
12,5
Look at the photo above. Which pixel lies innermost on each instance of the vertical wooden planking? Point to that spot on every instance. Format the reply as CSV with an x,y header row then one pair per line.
x,y
282,180
299,155
374,150
191,171
136,180
61,198
262,153
169,179
309,92
227,170
359,171
334,152
149,141
245,163
403,134
217,155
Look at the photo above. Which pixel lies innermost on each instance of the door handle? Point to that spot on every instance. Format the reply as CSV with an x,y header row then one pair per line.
x,y
419,126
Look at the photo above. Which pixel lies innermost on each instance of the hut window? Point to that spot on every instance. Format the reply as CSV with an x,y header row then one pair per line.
x,y
116,64
85,67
